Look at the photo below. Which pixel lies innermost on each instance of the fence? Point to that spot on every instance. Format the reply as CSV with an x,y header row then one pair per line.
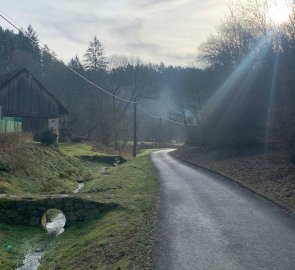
x,y
10,124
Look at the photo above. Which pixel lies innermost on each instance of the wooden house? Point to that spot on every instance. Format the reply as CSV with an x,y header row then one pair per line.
x,y
24,98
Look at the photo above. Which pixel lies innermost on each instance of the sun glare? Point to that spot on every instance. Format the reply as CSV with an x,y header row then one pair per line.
x,y
280,11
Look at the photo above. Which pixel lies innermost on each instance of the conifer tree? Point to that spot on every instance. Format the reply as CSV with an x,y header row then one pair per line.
x,y
94,58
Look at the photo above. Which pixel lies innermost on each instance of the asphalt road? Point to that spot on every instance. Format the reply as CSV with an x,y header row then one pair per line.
x,y
208,222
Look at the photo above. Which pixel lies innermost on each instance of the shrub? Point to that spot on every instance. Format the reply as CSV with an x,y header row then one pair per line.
x,y
48,137
292,152
4,167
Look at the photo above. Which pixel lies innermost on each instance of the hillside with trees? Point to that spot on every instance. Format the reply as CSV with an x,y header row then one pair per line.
x,y
240,104
173,92
247,130
232,115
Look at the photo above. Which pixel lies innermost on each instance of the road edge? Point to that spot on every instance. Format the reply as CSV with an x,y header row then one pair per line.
x,y
237,181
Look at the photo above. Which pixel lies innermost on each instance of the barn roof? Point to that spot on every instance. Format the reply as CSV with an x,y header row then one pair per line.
x,y
10,75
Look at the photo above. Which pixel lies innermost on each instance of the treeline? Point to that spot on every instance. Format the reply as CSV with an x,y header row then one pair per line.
x,y
254,106
173,92
244,97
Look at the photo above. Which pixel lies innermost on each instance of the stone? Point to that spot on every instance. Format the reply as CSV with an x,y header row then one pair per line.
x,y
35,221
31,212
72,217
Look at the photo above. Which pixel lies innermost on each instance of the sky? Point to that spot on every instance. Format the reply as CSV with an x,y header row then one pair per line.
x,y
153,30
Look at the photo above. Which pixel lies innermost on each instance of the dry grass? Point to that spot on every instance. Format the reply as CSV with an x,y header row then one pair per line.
x,y
11,145
12,139
126,150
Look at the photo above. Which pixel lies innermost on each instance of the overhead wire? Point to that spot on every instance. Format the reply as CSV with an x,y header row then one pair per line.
x,y
149,114
165,118
64,62
13,23
11,19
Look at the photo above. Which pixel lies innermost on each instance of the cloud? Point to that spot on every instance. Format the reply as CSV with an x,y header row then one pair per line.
x,y
155,30
157,3
142,47
144,3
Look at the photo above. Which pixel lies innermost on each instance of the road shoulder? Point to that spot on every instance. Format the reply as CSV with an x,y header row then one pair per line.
x,y
182,157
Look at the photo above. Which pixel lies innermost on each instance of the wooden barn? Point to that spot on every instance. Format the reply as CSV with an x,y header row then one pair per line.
x,y
23,99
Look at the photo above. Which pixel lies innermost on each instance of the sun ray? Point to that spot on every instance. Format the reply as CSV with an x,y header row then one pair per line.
x,y
279,11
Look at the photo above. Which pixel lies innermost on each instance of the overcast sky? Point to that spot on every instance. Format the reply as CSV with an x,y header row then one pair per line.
x,y
154,30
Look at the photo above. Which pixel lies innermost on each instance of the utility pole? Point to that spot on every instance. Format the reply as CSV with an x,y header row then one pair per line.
x,y
134,131
160,133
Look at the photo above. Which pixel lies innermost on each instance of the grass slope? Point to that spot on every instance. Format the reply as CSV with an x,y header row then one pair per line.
x,y
77,149
14,241
119,239
45,169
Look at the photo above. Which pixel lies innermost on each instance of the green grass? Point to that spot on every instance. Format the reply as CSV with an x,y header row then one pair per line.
x,y
119,239
77,149
43,170
147,152
15,241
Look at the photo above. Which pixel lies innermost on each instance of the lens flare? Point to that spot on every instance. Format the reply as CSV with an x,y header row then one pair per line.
x,y
280,11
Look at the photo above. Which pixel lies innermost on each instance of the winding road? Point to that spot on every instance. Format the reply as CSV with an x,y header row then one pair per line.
x,y
206,222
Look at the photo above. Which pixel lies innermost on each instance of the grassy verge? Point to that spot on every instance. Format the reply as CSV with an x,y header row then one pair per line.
x,y
40,169
119,239
116,240
15,241
77,149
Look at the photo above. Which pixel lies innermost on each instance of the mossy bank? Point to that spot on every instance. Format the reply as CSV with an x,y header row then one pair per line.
x,y
117,239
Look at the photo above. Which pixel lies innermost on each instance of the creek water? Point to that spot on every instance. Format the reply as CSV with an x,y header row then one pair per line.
x,y
54,228
80,186
32,261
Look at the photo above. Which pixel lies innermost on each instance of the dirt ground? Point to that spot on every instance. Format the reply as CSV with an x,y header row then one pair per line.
x,y
271,174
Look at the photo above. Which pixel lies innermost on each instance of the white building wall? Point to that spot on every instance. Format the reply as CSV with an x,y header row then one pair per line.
x,y
53,124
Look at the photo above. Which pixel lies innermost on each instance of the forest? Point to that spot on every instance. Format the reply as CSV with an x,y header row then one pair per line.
x,y
211,184
98,116
242,97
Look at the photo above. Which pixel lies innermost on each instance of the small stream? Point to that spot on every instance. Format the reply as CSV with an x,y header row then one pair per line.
x,y
54,228
32,261
80,186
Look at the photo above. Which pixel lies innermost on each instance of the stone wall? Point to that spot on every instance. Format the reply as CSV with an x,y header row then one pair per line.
x,y
30,212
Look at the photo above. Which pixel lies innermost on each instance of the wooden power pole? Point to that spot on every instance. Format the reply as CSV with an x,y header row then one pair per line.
x,y
160,132
134,132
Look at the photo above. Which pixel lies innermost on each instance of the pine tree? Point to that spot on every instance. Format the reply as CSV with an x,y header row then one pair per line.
x,y
94,58
76,64
29,42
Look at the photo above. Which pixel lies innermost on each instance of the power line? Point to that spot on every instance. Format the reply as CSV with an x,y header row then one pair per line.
x,y
167,119
11,19
172,121
20,29
178,123
62,60
150,115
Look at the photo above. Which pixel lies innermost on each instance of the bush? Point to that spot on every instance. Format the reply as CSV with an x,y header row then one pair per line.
x,y
4,167
48,137
292,152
